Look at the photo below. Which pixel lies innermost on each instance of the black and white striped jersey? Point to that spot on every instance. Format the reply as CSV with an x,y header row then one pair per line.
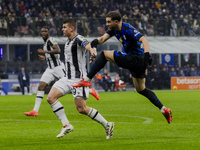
x,y
53,60
75,57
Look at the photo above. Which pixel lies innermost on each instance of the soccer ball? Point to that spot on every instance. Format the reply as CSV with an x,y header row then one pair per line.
x,y
174,88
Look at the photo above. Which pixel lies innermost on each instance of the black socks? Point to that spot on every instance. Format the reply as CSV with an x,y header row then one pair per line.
x,y
152,97
97,65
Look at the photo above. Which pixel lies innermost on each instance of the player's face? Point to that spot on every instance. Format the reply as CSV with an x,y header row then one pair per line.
x,y
45,33
66,30
111,24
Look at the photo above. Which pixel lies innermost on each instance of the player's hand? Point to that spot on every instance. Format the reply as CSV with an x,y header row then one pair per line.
x,y
40,51
41,58
93,52
92,57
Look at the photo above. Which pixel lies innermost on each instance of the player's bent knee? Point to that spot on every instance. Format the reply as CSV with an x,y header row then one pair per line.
x,y
51,99
139,90
108,55
81,110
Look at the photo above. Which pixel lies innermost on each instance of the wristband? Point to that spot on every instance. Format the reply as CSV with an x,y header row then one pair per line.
x,y
94,43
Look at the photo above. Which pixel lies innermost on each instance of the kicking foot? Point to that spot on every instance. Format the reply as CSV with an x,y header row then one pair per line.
x,y
168,115
82,83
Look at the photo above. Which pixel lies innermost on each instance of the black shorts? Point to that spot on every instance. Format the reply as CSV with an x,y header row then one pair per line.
x,y
135,64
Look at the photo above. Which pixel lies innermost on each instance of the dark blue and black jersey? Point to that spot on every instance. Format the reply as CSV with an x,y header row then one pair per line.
x,y
129,37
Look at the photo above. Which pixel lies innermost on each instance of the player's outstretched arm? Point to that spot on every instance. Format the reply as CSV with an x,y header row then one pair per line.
x,y
145,44
100,40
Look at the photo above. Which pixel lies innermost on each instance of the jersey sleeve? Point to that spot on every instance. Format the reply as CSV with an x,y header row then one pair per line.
x,y
82,41
53,41
136,34
111,33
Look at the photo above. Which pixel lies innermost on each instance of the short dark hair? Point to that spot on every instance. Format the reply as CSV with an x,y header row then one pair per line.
x,y
46,27
71,22
114,15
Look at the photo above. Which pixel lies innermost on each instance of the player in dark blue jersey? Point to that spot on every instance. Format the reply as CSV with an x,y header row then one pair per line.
x,y
134,56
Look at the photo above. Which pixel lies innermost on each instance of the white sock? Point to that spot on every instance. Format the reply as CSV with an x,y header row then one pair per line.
x,y
38,100
86,79
90,90
95,115
162,109
58,109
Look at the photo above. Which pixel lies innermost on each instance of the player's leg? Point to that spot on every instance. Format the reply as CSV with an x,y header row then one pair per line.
x,y
91,112
59,89
38,99
141,89
56,106
40,95
46,78
100,62
80,98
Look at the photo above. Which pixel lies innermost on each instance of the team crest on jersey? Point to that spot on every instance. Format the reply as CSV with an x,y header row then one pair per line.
x,y
121,40
53,41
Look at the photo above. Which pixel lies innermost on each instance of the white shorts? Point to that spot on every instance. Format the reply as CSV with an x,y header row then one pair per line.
x,y
64,85
50,74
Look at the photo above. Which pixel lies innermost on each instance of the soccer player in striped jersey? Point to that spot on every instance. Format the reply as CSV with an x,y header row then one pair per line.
x,y
135,57
55,69
75,58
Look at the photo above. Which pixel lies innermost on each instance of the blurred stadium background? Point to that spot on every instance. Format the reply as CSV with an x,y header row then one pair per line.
x,y
171,26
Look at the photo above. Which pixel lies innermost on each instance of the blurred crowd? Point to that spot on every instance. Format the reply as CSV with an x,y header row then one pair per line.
x,y
158,77
154,17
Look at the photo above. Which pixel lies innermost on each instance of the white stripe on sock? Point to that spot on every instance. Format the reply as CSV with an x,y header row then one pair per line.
x,y
60,113
38,100
99,118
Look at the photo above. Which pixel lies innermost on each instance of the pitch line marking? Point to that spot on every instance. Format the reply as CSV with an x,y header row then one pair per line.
x,y
147,120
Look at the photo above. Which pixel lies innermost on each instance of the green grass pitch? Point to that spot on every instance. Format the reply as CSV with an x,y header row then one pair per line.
x,y
139,125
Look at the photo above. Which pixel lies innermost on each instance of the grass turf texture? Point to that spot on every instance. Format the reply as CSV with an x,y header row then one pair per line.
x,y
139,125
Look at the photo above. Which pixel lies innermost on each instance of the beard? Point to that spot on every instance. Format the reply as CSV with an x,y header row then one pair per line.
x,y
114,27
